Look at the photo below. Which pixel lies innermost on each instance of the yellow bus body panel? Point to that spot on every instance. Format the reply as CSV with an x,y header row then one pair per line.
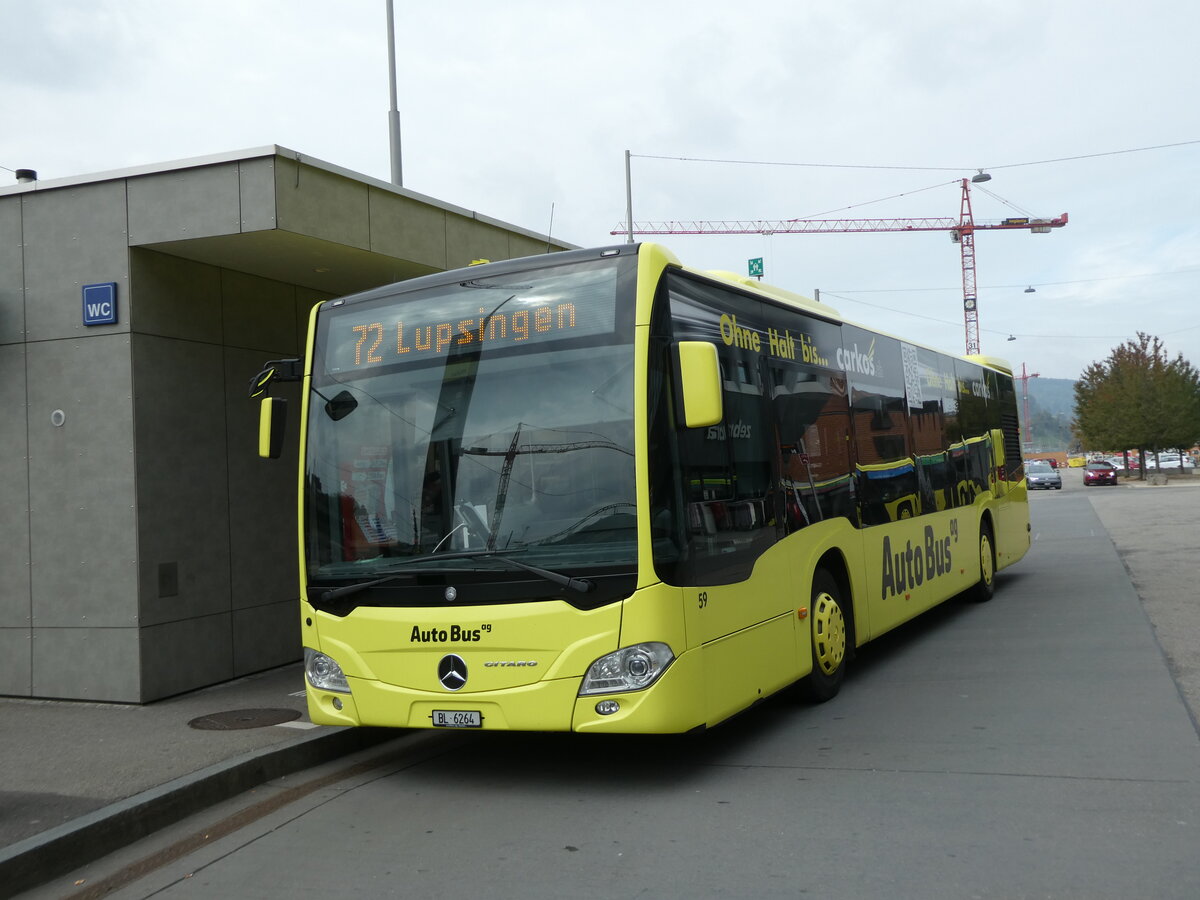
x,y
734,644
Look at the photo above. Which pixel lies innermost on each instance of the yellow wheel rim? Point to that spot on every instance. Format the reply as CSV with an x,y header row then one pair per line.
x,y
986,566
828,633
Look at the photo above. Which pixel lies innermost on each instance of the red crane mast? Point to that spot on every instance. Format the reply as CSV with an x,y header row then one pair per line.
x,y
1024,379
962,231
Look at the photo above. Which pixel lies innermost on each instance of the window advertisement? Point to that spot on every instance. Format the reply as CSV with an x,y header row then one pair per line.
x,y
812,414
930,393
887,479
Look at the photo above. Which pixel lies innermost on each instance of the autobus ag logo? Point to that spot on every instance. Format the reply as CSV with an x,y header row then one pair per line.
x,y
852,360
452,672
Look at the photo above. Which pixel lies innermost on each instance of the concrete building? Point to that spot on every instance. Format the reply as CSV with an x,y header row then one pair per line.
x,y
146,550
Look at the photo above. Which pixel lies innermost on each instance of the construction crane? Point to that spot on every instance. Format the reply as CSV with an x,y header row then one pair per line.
x,y
962,232
1024,379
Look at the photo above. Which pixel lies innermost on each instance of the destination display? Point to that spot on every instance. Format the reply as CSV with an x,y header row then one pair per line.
x,y
469,317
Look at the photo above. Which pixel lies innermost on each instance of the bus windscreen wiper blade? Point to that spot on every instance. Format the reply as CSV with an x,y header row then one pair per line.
x,y
582,585
348,589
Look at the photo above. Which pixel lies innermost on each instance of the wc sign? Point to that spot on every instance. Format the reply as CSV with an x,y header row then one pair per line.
x,y
100,304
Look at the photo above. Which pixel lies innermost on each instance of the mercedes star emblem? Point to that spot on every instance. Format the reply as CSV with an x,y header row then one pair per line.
x,y
452,672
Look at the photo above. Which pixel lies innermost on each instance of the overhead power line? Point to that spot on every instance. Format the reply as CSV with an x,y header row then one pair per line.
x,y
904,312
814,165
915,290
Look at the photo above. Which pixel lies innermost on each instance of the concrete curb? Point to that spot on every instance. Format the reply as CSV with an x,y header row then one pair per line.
x,y
42,857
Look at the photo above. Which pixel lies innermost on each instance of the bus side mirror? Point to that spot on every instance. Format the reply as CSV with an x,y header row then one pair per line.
x,y
998,447
700,384
999,469
272,419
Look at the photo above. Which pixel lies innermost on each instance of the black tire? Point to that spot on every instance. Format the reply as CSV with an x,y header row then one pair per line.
x,y
827,623
985,588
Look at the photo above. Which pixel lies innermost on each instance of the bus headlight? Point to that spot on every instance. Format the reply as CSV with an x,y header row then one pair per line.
x,y
323,672
628,669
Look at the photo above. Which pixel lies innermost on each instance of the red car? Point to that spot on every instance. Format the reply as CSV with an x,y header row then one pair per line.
x,y
1099,472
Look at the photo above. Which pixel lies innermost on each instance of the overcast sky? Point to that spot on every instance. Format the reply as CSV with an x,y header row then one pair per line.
x,y
523,111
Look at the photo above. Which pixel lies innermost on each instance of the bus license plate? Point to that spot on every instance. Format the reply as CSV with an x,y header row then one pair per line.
x,y
458,718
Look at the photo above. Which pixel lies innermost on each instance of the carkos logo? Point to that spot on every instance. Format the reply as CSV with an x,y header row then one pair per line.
x,y
853,360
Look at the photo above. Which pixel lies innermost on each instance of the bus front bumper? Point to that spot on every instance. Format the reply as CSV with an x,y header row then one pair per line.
x,y
673,704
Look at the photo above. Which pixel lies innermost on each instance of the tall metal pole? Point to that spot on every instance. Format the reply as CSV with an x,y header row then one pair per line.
x,y
394,112
628,203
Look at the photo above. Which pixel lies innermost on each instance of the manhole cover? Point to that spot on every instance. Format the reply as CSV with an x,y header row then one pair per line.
x,y
243,718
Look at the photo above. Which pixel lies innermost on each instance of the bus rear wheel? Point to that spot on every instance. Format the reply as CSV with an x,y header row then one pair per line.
x,y
828,633
985,588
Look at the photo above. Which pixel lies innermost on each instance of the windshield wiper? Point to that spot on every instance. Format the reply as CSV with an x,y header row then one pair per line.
x,y
582,585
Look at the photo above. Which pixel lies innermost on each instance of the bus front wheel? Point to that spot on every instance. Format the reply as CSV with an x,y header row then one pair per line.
x,y
828,632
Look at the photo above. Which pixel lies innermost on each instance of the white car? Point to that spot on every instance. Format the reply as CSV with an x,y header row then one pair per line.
x,y
1171,461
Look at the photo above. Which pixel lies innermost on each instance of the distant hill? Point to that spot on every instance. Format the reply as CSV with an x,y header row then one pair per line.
x,y
1053,395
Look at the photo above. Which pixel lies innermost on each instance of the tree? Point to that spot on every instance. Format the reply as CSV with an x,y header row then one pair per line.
x,y
1140,398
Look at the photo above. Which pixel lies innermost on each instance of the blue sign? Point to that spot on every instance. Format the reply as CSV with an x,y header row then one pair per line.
x,y
100,304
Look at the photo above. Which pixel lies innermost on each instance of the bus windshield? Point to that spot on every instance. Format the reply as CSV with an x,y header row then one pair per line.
x,y
492,415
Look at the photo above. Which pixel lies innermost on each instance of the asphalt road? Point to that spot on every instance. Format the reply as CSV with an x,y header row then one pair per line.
x,y
1034,746
1156,533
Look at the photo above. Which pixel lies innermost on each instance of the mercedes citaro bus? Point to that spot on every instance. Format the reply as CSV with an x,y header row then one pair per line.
x,y
600,491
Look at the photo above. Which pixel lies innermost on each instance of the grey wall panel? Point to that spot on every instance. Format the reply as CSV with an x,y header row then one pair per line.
x,y
258,313
262,493
321,204
519,245
468,239
185,203
15,603
408,229
73,236
257,181
81,479
12,273
183,656
265,637
174,297
86,664
183,510
16,660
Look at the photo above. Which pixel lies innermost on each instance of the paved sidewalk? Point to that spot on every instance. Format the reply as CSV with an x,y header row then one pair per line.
x,y
80,780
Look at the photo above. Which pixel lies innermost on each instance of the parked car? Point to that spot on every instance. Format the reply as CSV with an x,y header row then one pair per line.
x,y
1040,475
1099,472
1171,461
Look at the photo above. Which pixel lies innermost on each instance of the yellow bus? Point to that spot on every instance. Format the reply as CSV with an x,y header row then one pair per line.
x,y
599,491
